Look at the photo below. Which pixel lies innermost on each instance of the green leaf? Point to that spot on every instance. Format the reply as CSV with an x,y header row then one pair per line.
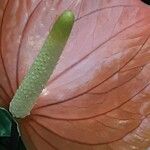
x,y
2,147
14,141
5,123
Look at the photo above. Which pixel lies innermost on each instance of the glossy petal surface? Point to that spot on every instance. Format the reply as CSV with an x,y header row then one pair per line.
x,y
98,96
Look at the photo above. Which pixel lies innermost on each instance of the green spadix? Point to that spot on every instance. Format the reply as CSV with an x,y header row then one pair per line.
x,y
43,66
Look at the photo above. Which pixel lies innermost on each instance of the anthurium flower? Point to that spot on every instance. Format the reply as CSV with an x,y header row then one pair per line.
x,y
98,95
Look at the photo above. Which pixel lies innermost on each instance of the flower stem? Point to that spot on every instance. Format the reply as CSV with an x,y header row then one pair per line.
x,y
43,66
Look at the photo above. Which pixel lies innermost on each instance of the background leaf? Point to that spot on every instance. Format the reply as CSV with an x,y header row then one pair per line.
x,y
5,123
13,142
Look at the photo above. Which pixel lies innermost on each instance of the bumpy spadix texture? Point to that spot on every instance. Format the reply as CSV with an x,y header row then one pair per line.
x,y
43,66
